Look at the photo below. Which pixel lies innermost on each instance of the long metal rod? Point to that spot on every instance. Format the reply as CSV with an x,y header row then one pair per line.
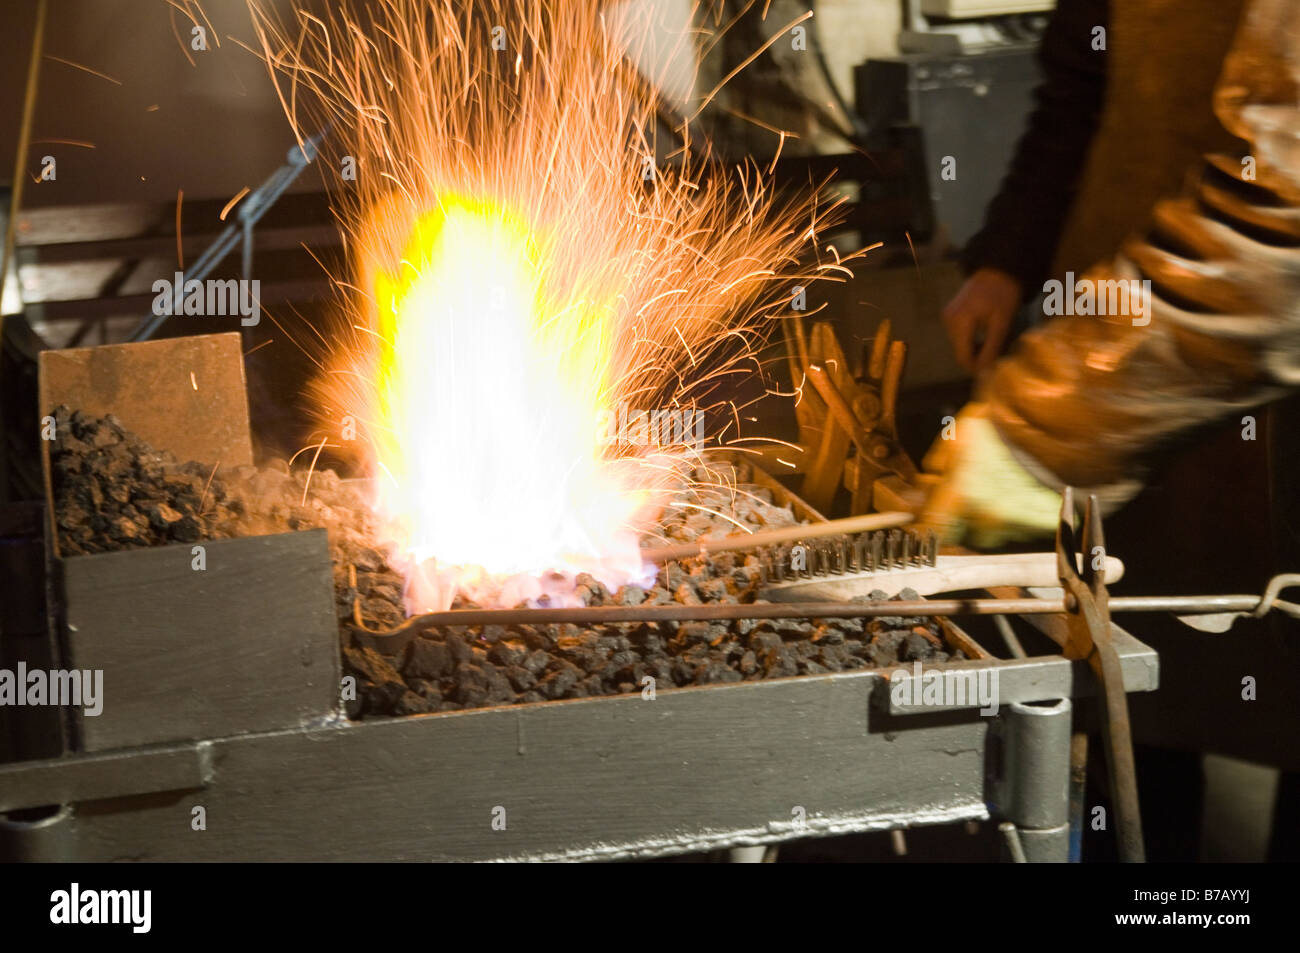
x,y
783,534
254,206
595,615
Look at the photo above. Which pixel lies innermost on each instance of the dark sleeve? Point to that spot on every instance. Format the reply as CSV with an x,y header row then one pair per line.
x,y
1023,224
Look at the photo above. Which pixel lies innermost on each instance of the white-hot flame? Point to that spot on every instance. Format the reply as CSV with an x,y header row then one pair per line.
x,y
492,394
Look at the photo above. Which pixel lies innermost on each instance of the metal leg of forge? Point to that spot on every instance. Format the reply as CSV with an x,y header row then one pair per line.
x,y
1036,780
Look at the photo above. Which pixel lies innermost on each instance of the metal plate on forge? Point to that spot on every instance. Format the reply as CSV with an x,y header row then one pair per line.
x,y
185,395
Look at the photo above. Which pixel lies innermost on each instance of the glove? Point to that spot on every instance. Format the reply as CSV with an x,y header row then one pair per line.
x,y
985,497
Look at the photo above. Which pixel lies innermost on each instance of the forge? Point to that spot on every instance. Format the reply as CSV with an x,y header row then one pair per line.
x,y
112,492
511,445
249,629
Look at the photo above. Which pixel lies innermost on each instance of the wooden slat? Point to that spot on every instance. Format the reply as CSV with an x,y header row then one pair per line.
x,y
99,223
273,293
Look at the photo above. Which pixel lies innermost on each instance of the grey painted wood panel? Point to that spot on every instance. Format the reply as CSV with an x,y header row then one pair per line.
x,y
585,779
248,644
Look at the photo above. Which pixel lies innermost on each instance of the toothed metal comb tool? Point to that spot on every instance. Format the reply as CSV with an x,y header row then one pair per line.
x,y
838,569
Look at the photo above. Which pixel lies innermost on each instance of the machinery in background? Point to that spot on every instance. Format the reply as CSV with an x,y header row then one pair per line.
x,y
964,77
952,26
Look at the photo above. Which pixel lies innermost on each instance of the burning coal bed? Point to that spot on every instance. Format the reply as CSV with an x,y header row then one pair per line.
x,y
112,492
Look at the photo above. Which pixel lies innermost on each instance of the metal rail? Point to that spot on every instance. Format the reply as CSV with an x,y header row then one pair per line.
x,y
251,210
597,615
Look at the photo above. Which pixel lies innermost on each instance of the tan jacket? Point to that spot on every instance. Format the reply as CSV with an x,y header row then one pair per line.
x,y
1088,399
1163,59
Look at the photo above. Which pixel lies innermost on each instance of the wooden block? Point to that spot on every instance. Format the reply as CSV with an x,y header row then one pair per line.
x,y
248,644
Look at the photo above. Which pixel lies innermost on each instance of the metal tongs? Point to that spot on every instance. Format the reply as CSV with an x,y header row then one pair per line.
x,y
1088,637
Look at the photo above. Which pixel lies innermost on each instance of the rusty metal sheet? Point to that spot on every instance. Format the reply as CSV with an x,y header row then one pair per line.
x,y
186,395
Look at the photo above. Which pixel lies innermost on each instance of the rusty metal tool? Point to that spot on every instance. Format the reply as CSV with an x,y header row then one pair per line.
x,y
879,474
842,410
1088,637
878,452
826,442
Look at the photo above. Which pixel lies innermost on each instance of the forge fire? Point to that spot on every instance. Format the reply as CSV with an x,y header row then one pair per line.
x,y
526,265
140,497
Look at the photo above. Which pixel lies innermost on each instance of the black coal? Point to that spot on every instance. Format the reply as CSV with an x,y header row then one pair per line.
x,y
112,491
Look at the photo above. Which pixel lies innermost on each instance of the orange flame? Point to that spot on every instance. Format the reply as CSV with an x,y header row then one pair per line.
x,y
525,264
